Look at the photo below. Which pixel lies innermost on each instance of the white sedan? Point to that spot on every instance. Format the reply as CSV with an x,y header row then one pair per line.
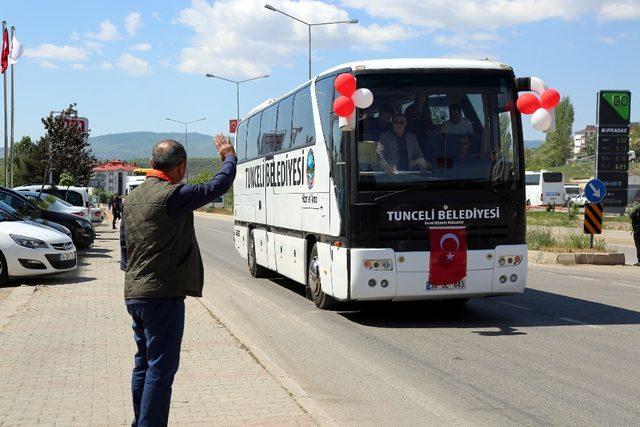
x,y
28,250
579,200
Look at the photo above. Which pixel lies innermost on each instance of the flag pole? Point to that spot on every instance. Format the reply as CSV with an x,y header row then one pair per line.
x,y
4,104
13,31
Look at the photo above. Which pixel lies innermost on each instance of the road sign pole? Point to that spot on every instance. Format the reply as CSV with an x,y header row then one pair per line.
x,y
591,243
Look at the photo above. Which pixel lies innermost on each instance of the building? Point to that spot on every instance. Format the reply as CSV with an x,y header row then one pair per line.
x,y
111,176
581,138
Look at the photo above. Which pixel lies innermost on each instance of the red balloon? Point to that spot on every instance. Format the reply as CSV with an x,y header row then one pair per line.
x,y
345,84
528,103
549,99
343,106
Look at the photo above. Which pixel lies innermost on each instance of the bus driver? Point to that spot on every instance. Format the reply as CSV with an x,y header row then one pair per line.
x,y
398,150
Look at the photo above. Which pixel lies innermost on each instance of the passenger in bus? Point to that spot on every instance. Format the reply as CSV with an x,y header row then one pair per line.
x,y
398,150
462,151
375,126
457,123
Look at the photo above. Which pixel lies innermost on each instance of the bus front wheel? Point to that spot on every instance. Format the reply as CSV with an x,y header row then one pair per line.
x,y
322,300
255,269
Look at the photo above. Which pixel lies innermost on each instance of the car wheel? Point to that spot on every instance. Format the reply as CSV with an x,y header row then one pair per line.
x,y
255,269
322,300
4,274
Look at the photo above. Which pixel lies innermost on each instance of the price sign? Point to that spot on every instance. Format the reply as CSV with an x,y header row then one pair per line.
x,y
612,145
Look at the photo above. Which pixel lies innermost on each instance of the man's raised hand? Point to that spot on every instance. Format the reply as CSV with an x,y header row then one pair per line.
x,y
224,146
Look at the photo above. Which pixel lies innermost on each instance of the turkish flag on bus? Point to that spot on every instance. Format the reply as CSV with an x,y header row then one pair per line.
x,y
448,258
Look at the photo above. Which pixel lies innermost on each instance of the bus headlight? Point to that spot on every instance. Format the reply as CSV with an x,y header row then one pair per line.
x,y
378,264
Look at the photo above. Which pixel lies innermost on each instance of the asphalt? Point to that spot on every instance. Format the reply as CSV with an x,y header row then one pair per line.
x,y
564,352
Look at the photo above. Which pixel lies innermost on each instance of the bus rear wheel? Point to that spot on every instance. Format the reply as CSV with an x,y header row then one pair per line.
x,y
322,300
255,269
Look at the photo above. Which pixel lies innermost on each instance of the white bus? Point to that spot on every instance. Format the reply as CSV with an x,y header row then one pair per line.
x,y
544,188
133,182
314,203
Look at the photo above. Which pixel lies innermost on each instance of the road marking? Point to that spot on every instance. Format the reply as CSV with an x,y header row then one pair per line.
x,y
578,322
579,277
521,307
624,284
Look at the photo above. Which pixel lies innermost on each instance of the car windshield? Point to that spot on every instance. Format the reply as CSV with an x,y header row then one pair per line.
x,y
425,128
19,204
8,209
5,216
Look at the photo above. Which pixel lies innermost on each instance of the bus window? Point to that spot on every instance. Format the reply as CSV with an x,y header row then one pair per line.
x,y
241,140
303,131
253,132
532,179
283,128
268,135
552,177
325,93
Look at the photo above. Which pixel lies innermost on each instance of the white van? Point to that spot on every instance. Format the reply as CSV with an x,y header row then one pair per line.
x,y
544,187
77,196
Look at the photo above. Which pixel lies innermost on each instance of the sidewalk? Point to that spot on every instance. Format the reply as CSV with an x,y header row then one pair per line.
x,y
67,353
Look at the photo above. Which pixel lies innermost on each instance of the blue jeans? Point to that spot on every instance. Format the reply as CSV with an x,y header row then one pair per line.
x,y
158,325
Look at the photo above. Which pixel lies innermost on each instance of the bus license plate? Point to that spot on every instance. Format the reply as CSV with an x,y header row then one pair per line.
x,y
458,285
67,256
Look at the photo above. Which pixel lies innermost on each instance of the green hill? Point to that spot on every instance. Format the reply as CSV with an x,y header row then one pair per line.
x,y
135,145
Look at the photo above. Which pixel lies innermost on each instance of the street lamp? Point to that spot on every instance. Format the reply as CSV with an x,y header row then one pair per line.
x,y
309,25
185,135
237,83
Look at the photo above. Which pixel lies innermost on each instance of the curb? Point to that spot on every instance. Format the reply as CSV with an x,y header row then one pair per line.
x,y
542,257
302,398
218,216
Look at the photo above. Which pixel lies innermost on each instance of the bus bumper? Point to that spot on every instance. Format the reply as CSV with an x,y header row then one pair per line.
x,y
489,272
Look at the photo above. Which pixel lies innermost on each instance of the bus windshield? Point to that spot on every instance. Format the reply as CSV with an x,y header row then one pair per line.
x,y
430,128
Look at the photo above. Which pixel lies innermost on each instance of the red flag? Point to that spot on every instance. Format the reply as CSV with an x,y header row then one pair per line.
x,y
4,56
448,259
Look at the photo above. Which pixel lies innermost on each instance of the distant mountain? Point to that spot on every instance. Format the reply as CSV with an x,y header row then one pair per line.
x,y
136,145
533,143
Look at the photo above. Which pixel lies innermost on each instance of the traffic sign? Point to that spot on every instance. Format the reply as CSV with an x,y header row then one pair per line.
x,y
593,218
595,191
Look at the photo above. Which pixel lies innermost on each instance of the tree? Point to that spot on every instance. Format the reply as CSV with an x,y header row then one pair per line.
x,y
558,144
591,144
64,147
27,163
634,137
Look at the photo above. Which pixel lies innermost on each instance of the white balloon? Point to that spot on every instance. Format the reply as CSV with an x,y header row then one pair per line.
x,y
541,119
363,98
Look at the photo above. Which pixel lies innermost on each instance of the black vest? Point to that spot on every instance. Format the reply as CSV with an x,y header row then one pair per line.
x,y
163,258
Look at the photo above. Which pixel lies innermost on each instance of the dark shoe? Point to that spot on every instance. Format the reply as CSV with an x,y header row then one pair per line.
x,y
637,264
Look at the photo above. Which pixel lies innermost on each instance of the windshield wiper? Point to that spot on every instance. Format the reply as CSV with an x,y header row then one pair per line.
x,y
404,190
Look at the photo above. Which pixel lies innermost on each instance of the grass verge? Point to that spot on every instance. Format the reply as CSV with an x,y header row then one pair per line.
x,y
543,240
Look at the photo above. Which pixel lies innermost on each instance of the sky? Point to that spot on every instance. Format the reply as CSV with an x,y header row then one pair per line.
x,y
130,64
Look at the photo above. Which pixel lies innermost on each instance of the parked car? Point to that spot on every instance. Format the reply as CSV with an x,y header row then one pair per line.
x,y
77,196
570,191
38,222
97,215
81,228
29,250
579,200
53,203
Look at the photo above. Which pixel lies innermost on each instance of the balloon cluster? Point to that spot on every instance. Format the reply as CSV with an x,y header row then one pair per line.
x,y
350,97
541,110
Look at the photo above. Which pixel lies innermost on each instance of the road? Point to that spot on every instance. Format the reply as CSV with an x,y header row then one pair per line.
x,y
565,352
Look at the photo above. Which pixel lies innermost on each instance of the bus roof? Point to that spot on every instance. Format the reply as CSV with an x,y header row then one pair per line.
x,y
395,64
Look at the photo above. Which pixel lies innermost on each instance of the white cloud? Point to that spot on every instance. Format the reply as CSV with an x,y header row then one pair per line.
x,y
156,15
105,65
466,15
78,66
108,32
94,46
257,39
467,41
607,39
131,64
75,36
620,11
55,52
132,23
141,47
47,64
